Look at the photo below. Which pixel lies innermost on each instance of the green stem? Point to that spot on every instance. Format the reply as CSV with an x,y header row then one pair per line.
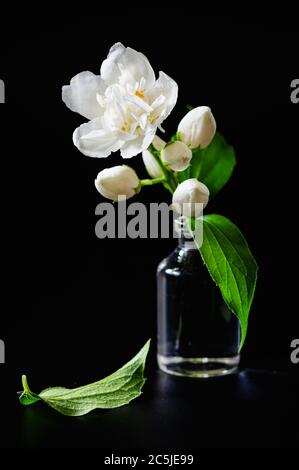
x,y
27,397
198,171
150,182
25,385
169,180
173,181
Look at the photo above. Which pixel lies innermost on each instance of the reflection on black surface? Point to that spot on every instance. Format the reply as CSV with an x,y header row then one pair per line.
x,y
251,409
247,384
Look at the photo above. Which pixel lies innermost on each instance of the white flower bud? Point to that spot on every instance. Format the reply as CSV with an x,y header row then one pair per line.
x,y
176,156
198,127
117,181
158,143
190,198
151,164
149,160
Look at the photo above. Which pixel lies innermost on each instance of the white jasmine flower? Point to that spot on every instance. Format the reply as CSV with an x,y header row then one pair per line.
x,y
158,143
176,156
149,160
198,127
151,164
125,104
190,197
118,181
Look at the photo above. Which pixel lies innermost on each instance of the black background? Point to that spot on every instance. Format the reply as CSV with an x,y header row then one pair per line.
x,y
74,307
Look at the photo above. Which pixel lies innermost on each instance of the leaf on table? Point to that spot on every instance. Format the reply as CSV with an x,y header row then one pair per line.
x,y
116,390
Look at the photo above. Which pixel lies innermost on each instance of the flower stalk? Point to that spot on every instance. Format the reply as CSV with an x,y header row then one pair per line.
x,y
151,182
169,179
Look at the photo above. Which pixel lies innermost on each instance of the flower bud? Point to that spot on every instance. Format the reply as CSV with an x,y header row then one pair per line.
x,y
158,143
118,181
151,164
190,198
176,156
198,127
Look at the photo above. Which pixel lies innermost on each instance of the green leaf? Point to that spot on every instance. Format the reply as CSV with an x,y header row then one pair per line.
x,y
27,397
174,137
231,265
213,165
183,175
116,390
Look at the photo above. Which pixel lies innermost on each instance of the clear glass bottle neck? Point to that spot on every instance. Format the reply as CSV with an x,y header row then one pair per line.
x,y
185,239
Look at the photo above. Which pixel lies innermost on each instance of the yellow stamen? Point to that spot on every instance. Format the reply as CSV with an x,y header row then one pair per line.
x,y
152,119
140,94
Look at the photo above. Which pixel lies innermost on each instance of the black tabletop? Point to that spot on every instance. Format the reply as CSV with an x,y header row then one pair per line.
x,y
253,409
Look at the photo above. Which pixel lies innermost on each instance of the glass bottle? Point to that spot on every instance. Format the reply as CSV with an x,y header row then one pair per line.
x,y
198,336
